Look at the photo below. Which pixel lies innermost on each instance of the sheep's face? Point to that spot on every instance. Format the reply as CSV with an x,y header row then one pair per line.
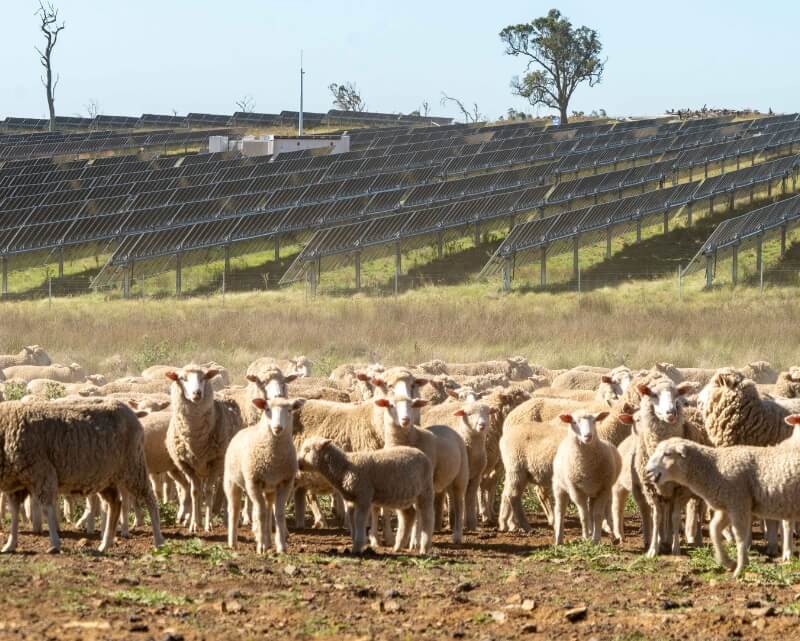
x,y
308,458
623,378
194,383
302,366
278,413
272,385
665,400
475,416
400,413
583,425
664,464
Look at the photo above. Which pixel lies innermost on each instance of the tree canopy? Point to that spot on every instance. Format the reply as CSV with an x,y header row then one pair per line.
x,y
560,57
347,97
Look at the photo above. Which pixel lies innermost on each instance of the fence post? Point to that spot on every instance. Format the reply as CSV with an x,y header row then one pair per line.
x,y
5,276
783,241
680,283
358,270
543,267
507,274
575,258
178,275
735,265
709,271
49,290
397,268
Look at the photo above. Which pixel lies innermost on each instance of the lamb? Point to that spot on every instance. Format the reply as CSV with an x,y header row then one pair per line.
x,y
578,379
96,446
198,435
788,383
660,417
585,469
262,461
737,482
444,448
623,487
158,372
470,421
267,383
614,384
28,355
528,448
399,478
735,414
62,373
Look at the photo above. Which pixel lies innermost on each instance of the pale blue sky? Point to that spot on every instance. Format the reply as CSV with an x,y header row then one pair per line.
x,y
156,55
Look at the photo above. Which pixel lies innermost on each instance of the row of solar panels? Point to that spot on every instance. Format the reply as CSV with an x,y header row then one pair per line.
x,y
558,233
238,119
400,206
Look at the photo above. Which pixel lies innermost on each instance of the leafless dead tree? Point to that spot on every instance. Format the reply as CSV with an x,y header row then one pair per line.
x,y
50,27
470,115
246,104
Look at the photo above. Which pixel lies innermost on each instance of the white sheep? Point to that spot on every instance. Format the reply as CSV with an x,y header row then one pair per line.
x,y
738,483
585,468
444,448
97,446
398,478
262,461
199,432
62,373
28,355
614,385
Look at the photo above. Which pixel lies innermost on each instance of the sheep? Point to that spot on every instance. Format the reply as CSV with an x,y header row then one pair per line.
x,y
434,367
344,376
135,385
96,446
737,482
62,373
735,414
545,408
579,395
788,383
470,421
482,382
267,383
660,417
199,432
262,461
528,448
399,478
146,402
317,388
585,469
623,487
28,355
222,380
444,448
760,372
614,384
300,366
577,379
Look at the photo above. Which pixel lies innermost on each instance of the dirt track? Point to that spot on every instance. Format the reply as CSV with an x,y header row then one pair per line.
x,y
493,587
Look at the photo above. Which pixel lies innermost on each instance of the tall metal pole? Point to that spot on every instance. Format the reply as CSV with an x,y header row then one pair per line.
x,y
300,119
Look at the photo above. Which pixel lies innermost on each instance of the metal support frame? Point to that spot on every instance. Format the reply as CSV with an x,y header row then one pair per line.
x,y
5,275
783,240
398,266
609,235
543,266
226,263
575,256
178,274
709,271
705,170
732,201
689,214
61,262
735,265
666,221
277,249
358,270
439,245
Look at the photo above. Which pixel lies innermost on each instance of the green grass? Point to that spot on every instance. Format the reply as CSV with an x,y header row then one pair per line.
x,y
141,595
214,553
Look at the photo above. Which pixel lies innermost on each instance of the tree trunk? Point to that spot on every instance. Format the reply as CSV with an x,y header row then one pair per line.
x,y
51,103
563,110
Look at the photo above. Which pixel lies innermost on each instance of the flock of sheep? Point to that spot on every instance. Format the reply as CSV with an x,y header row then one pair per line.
x,y
428,444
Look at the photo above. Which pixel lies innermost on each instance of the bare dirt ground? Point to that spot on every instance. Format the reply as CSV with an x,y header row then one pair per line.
x,y
495,586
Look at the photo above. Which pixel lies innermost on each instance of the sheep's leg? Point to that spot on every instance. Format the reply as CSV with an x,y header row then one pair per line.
x,y
676,527
772,537
715,529
52,528
438,511
471,504
282,493
234,495
424,522
113,507
196,494
125,515
361,513
618,498
89,516
695,513
35,514
375,516
584,511
456,499
340,509
655,534
3,506
217,504
299,508
545,501
741,525
646,512
405,521
66,509
599,509
386,522
788,540
246,513
260,519
143,493
14,500
320,522
559,508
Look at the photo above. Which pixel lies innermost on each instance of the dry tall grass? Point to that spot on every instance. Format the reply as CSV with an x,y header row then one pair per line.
x,y
636,324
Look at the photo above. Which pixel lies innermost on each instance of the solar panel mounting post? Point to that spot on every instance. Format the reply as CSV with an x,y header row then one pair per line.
x,y
666,221
689,214
507,274
735,265
639,229
358,269
178,275
397,267
61,262
760,255
543,266
709,271
575,258
783,240
609,234
5,276
439,245
277,249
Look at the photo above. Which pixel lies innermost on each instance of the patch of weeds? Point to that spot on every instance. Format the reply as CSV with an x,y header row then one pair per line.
x,y
644,565
152,353
167,514
783,574
214,553
482,618
14,391
793,609
601,557
146,596
321,626
701,560
73,599
53,390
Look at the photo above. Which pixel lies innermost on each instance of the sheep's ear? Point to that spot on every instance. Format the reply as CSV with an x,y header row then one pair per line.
x,y
362,377
627,408
173,376
322,443
133,404
378,382
211,373
643,390
383,402
290,378
681,449
793,419
601,417
459,413
606,379
298,403
452,393
141,413
566,418
421,382
626,418
252,378
419,402
685,388
260,403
